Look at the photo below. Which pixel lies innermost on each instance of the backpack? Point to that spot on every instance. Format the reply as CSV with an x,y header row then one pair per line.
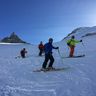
x,y
68,43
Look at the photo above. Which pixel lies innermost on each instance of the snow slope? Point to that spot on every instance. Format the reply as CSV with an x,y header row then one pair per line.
x,y
78,79
82,31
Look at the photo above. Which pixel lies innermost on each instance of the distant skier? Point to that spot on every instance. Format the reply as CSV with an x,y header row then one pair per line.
x,y
23,52
41,48
48,55
71,43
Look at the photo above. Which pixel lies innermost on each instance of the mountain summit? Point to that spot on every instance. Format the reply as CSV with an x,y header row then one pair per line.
x,y
13,38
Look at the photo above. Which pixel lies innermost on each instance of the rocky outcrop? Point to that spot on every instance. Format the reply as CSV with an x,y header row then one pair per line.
x,y
13,38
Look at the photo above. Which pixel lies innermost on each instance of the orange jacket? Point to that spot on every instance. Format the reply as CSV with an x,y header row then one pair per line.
x,y
41,46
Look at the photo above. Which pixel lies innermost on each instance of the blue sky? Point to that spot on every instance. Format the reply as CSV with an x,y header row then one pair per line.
x,y
37,20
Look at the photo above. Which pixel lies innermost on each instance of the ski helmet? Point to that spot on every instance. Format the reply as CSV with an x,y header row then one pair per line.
x,y
73,37
50,40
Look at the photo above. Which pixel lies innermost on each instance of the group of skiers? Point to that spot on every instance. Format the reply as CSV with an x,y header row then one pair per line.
x,y
47,49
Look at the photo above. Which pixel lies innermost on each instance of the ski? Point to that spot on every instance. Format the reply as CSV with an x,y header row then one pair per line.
x,y
78,56
48,70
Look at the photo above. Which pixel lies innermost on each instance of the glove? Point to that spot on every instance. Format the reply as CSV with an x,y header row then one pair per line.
x,y
57,47
80,40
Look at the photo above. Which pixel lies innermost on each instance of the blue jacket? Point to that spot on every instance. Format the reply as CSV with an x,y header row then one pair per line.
x,y
48,48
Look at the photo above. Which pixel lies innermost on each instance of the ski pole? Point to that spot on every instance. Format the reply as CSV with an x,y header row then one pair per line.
x,y
17,57
83,44
59,53
60,56
83,47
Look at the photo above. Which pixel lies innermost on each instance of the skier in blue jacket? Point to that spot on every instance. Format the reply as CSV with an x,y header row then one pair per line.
x,y
48,54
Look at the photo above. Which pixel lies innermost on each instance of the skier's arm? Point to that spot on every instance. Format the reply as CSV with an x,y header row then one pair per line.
x,y
55,47
76,41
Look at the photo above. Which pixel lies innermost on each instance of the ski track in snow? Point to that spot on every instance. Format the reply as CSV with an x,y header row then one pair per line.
x,y
49,83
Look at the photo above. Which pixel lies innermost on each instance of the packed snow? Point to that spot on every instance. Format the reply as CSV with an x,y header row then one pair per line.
x,y
78,79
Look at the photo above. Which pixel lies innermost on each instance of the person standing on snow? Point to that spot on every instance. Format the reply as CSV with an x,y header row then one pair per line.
x,y
72,43
41,48
23,52
48,54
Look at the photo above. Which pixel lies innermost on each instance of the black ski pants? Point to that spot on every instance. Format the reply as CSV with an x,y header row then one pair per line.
x,y
47,58
41,51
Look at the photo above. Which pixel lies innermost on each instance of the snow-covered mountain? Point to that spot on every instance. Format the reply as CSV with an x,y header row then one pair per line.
x,y
78,79
82,32
13,38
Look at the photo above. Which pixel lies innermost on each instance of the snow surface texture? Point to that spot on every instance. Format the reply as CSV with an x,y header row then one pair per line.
x,y
78,79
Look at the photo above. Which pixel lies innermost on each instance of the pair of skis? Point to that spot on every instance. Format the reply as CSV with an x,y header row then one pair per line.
x,y
78,56
57,69
48,70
